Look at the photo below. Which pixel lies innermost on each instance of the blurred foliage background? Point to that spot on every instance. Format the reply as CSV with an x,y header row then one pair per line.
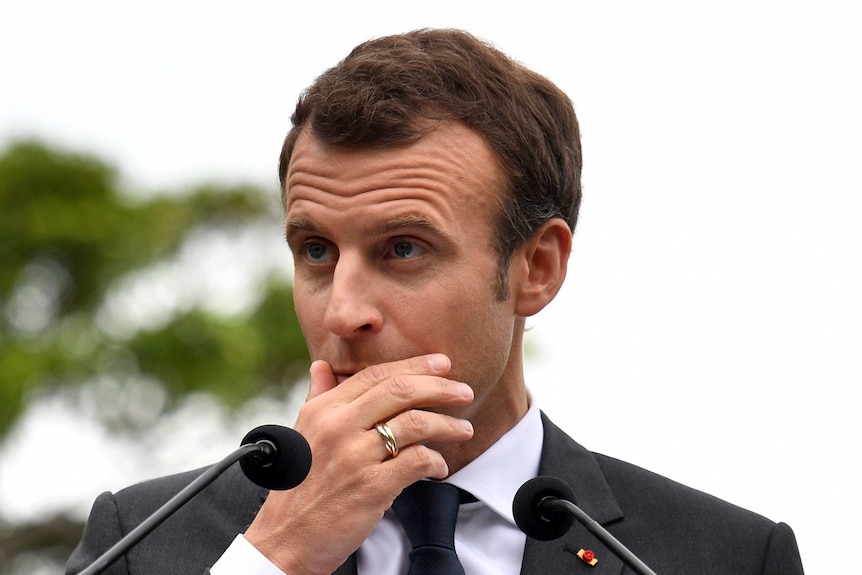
x,y
88,310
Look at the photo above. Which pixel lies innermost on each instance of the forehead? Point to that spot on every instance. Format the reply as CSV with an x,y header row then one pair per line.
x,y
451,164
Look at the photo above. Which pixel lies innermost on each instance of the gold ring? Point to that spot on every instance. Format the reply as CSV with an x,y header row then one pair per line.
x,y
388,439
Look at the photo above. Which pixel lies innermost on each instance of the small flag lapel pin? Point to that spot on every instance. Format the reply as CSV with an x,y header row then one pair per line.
x,y
588,557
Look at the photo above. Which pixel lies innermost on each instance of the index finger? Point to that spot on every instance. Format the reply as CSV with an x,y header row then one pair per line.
x,y
432,364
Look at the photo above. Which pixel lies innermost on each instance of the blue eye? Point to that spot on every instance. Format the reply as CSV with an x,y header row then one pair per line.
x,y
317,252
405,249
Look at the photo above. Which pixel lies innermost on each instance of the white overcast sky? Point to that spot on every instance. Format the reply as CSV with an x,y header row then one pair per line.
x,y
711,326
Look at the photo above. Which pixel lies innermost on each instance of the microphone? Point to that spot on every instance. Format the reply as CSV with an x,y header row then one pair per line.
x,y
282,460
272,456
544,509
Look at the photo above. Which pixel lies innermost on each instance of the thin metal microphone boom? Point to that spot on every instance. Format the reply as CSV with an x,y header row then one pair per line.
x,y
555,505
273,456
168,509
544,509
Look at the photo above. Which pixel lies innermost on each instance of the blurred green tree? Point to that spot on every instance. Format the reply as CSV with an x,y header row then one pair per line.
x,y
70,240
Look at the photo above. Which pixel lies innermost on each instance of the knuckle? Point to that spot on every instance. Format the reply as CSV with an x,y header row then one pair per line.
x,y
424,457
428,463
376,373
401,388
446,386
417,420
416,365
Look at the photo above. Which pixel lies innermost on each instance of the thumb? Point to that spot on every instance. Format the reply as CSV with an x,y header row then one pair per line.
x,y
322,379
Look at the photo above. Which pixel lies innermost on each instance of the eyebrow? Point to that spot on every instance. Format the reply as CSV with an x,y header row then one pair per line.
x,y
411,220
296,225
398,223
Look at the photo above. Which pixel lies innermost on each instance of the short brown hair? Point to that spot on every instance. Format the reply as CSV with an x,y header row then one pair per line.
x,y
386,89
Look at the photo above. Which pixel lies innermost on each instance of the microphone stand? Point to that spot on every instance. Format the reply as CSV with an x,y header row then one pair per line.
x,y
177,501
556,505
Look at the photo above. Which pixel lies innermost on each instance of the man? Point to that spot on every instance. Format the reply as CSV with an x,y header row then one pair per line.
x,y
431,186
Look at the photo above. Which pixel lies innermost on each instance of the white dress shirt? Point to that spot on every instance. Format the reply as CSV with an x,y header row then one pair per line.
x,y
486,538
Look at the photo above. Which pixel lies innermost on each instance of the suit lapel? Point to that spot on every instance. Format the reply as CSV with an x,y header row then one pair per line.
x,y
564,458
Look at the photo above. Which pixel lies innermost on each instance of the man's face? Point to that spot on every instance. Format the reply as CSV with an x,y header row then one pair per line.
x,y
394,255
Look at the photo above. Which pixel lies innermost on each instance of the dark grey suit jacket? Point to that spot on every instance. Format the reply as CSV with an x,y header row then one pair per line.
x,y
672,528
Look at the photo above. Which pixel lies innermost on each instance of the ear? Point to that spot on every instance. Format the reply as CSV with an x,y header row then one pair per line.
x,y
543,264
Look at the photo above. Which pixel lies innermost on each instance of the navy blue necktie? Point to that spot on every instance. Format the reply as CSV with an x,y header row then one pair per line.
x,y
428,511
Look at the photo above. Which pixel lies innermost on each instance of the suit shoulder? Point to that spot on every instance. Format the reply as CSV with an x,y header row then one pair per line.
x,y
662,514
188,541
225,492
640,490
159,487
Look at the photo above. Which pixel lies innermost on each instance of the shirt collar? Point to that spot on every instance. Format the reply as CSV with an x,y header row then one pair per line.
x,y
496,475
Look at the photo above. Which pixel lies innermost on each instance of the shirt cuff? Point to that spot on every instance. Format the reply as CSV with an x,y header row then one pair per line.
x,y
243,558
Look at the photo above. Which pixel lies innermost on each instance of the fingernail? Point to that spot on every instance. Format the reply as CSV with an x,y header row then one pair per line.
x,y
465,390
438,362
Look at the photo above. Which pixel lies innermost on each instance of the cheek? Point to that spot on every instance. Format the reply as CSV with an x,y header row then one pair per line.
x,y
480,333
482,362
309,311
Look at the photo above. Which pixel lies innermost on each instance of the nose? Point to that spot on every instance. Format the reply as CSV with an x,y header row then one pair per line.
x,y
352,307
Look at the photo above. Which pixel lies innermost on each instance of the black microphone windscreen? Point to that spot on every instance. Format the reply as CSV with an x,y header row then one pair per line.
x,y
286,467
528,514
